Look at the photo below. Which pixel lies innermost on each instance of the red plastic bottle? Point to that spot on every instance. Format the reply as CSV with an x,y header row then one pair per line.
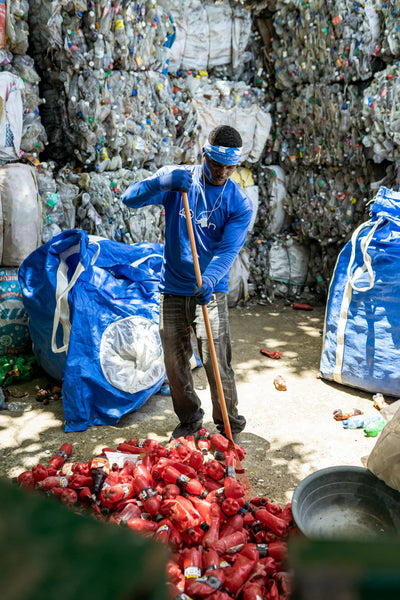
x,y
112,494
26,480
252,591
77,481
196,461
143,484
175,575
142,526
129,510
259,501
212,579
129,449
66,495
269,565
85,495
215,470
212,534
191,563
163,532
170,491
148,445
232,487
286,515
236,538
273,593
168,533
277,550
179,447
211,485
238,573
203,507
222,444
148,461
272,522
40,472
203,440
234,523
157,472
193,536
181,512
282,579
61,455
191,486
52,482
230,506
69,468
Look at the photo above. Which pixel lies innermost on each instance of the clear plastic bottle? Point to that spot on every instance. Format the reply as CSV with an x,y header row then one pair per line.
x,y
359,421
98,52
16,406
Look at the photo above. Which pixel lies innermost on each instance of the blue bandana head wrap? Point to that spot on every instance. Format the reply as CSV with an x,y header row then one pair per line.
x,y
223,155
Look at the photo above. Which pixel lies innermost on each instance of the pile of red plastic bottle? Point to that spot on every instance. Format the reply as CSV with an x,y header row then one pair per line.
x,y
224,543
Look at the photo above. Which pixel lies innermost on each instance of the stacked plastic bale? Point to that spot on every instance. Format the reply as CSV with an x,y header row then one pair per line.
x,y
108,104
320,56
22,136
103,56
381,117
121,96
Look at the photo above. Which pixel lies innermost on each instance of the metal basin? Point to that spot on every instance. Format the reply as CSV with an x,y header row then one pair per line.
x,y
345,502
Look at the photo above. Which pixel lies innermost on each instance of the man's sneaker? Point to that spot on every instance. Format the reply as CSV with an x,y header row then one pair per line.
x,y
184,429
218,455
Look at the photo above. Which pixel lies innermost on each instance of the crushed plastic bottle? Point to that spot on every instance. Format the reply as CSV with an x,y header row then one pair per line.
x,y
363,421
280,383
16,406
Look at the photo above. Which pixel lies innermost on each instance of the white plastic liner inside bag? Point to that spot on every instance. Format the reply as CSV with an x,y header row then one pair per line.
x,y
131,354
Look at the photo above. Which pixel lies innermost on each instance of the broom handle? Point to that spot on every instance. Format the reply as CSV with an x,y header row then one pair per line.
x,y
206,319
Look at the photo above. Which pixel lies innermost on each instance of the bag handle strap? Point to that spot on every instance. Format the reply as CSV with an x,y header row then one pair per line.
x,y
141,260
62,312
366,266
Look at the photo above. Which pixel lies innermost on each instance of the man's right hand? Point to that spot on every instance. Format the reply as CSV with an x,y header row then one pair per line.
x,y
178,180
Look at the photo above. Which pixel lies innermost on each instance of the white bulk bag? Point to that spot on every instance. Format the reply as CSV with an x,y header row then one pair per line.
x,y
252,123
11,116
21,213
288,261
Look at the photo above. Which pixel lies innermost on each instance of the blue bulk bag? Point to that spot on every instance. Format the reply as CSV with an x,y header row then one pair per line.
x,y
361,343
93,307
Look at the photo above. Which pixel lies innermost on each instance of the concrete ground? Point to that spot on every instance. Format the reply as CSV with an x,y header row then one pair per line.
x,y
289,435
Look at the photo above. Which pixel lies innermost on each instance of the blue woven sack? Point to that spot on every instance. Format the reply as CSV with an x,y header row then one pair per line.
x,y
93,307
361,346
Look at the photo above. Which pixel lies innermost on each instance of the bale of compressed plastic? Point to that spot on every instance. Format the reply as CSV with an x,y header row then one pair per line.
x,y
381,116
99,210
33,136
319,124
326,202
323,42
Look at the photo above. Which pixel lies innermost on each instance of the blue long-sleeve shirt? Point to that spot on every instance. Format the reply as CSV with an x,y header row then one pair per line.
x,y
220,217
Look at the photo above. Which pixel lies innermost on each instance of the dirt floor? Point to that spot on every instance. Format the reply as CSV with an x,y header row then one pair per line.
x,y
289,434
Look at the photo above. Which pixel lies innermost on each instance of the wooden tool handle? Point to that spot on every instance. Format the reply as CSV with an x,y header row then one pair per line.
x,y
206,319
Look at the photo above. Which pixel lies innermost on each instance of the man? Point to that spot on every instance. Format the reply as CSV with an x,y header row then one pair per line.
x,y
221,213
